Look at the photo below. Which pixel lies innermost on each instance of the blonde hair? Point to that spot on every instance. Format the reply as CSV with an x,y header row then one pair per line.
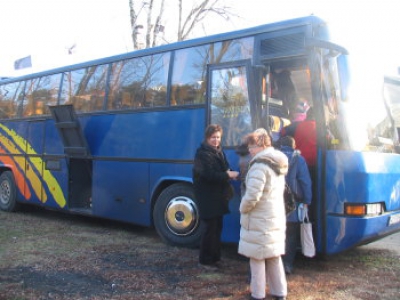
x,y
259,137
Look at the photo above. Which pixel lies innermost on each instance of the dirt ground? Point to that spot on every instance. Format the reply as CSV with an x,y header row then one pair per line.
x,y
49,255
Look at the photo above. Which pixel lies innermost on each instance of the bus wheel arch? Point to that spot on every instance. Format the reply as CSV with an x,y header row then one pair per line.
x,y
176,216
8,192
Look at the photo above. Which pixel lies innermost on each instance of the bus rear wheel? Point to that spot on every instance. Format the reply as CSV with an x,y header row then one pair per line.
x,y
176,216
8,192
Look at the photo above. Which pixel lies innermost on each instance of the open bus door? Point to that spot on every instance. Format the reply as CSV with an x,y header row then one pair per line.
x,y
79,160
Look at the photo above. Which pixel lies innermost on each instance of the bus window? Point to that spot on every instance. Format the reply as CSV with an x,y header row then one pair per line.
x,y
392,97
232,50
338,133
11,95
188,76
85,88
41,92
230,103
139,82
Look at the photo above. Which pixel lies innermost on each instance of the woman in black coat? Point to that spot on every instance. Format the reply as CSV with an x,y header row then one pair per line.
x,y
211,176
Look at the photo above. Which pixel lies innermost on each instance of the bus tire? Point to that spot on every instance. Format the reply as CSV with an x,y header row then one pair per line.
x,y
8,192
176,216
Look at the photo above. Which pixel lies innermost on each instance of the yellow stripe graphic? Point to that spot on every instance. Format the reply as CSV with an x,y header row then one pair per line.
x,y
20,161
48,178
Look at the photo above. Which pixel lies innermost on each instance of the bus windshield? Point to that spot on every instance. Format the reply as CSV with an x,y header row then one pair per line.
x,y
391,94
355,123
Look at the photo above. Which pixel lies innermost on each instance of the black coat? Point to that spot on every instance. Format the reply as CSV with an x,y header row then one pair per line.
x,y
211,182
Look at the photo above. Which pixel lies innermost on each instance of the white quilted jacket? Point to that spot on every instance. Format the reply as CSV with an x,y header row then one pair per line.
x,y
263,219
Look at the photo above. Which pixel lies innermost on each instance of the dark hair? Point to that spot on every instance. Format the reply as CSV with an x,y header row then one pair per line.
x,y
211,129
287,141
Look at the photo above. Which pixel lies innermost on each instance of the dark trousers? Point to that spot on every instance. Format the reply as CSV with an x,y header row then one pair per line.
x,y
210,244
292,243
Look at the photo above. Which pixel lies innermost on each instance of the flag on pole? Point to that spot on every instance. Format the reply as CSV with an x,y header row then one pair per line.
x,y
22,63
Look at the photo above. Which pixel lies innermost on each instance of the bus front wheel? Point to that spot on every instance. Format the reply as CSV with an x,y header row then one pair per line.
x,y
176,216
8,193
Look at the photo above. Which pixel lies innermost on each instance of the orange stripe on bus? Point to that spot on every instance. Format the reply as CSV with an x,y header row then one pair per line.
x,y
20,161
18,176
37,162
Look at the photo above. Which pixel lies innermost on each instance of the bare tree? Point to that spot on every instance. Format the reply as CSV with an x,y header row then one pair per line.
x,y
197,14
158,29
133,15
187,20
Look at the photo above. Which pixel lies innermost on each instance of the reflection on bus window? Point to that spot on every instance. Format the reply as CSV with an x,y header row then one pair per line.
x,y
85,88
11,95
230,103
139,82
188,76
39,94
338,134
232,50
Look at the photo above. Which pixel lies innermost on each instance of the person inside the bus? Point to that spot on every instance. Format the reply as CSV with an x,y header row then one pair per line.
x,y
300,112
284,89
212,188
263,219
305,135
299,181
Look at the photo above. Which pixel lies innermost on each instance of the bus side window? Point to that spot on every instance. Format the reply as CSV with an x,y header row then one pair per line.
x,y
10,97
44,92
188,76
139,82
85,88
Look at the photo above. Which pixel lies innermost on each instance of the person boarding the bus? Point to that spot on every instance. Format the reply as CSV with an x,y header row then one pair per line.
x,y
305,135
299,180
212,188
263,219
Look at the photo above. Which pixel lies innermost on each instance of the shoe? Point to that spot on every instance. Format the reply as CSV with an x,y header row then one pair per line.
x,y
252,298
278,298
208,267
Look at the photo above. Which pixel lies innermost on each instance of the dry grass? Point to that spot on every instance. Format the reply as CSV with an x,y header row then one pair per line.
x,y
48,255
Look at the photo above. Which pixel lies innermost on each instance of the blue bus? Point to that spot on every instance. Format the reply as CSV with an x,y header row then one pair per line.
x,y
115,138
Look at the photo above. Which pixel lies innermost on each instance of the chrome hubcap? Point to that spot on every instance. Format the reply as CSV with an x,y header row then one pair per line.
x,y
181,215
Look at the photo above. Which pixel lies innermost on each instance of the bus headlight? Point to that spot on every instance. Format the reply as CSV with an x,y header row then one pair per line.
x,y
359,209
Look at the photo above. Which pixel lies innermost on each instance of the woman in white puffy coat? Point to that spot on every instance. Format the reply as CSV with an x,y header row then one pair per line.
x,y
263,219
